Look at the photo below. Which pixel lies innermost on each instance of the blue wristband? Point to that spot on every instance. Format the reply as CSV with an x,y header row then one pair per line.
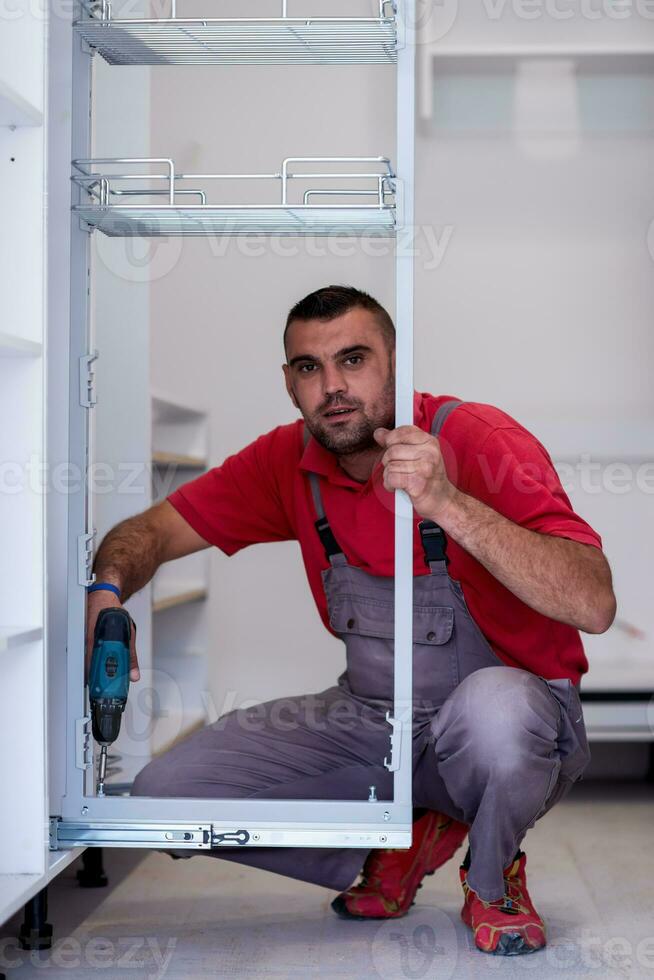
x,y
103,585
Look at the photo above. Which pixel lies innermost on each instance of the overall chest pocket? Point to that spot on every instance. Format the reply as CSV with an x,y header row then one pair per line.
x,y
369,616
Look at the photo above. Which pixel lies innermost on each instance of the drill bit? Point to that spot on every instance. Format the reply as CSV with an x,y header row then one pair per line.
x,y
102,770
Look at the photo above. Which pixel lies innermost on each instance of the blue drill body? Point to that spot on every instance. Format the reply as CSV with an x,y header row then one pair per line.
x,y
109,679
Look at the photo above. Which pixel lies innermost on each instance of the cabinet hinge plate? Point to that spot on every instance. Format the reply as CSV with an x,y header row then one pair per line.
x,y
83,748
85,558
396,742
87,397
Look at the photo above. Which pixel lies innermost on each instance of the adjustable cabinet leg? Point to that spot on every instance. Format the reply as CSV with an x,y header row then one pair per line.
x,y
35,932
92,875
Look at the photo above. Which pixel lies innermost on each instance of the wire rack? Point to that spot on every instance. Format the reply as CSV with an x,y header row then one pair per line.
x,y
279,40
349,196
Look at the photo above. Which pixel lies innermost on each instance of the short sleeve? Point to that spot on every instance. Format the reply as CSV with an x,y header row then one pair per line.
x,y
241,502
513,473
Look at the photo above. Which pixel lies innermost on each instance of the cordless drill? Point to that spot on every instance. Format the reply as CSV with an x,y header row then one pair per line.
x,y
109,680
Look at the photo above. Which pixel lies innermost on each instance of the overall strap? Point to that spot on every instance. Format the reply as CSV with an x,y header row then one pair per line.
x,y
329,542
434,541
442,413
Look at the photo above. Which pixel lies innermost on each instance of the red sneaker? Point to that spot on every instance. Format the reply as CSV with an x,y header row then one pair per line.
x,y
392,877
509,925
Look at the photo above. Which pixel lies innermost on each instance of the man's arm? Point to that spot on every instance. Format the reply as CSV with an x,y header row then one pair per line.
x,y
560,578
132,551
563,579
128,557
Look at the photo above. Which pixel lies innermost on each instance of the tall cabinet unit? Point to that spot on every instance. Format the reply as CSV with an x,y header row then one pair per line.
x,y
126,195
27,480
22,662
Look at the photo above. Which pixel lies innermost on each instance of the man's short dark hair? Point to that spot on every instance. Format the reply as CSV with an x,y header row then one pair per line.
x,y
334,301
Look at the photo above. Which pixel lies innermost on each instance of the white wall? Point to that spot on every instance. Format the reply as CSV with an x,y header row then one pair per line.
x,y
541,302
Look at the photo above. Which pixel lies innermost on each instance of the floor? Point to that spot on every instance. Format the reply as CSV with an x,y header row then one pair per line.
x,y
591,875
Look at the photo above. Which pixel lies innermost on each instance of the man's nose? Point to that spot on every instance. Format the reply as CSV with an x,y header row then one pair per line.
x,y
333,380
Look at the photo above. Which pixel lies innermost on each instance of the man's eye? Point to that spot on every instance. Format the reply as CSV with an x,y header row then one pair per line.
x,y
303,366
354,357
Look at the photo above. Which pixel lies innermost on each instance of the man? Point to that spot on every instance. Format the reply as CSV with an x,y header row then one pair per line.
x,y
506,574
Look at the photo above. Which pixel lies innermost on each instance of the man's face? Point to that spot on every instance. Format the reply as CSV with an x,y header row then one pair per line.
x,y
341,364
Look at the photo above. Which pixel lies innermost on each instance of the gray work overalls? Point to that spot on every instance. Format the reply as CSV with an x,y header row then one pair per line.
x,y
493,746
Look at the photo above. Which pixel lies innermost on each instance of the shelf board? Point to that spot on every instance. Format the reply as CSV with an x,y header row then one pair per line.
x,y
151,221
16,110
167,411
180,460
11,345
162,602
243,41
12,637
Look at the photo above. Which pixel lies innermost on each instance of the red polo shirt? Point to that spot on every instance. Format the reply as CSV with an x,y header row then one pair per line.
x,y
262,493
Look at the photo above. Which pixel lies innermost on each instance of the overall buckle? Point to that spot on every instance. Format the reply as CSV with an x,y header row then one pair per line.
x,y
434,542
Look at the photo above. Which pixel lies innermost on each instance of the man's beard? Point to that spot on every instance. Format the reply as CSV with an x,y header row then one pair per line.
x,y
356,435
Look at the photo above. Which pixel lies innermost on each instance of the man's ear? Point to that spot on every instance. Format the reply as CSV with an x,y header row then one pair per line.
x,y
287,380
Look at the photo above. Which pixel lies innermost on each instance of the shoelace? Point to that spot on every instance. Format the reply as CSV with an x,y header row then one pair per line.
x,y
511,899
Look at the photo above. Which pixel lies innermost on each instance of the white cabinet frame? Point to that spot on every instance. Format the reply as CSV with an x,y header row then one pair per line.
x,y
80,817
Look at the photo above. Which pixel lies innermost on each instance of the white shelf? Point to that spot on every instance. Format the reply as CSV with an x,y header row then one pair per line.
x,y
15,110
166,410
179,460
12,637
179,438
198,221
11,345
358,198
299,40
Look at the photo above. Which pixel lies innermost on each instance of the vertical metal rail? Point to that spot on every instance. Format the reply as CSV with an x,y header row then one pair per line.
x,y
78,433
405,136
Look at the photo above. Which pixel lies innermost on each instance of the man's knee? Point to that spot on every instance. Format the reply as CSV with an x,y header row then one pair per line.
x,y
499,716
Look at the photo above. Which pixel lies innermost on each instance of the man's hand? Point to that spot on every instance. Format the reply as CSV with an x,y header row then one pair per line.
x,y
413,462
96,601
